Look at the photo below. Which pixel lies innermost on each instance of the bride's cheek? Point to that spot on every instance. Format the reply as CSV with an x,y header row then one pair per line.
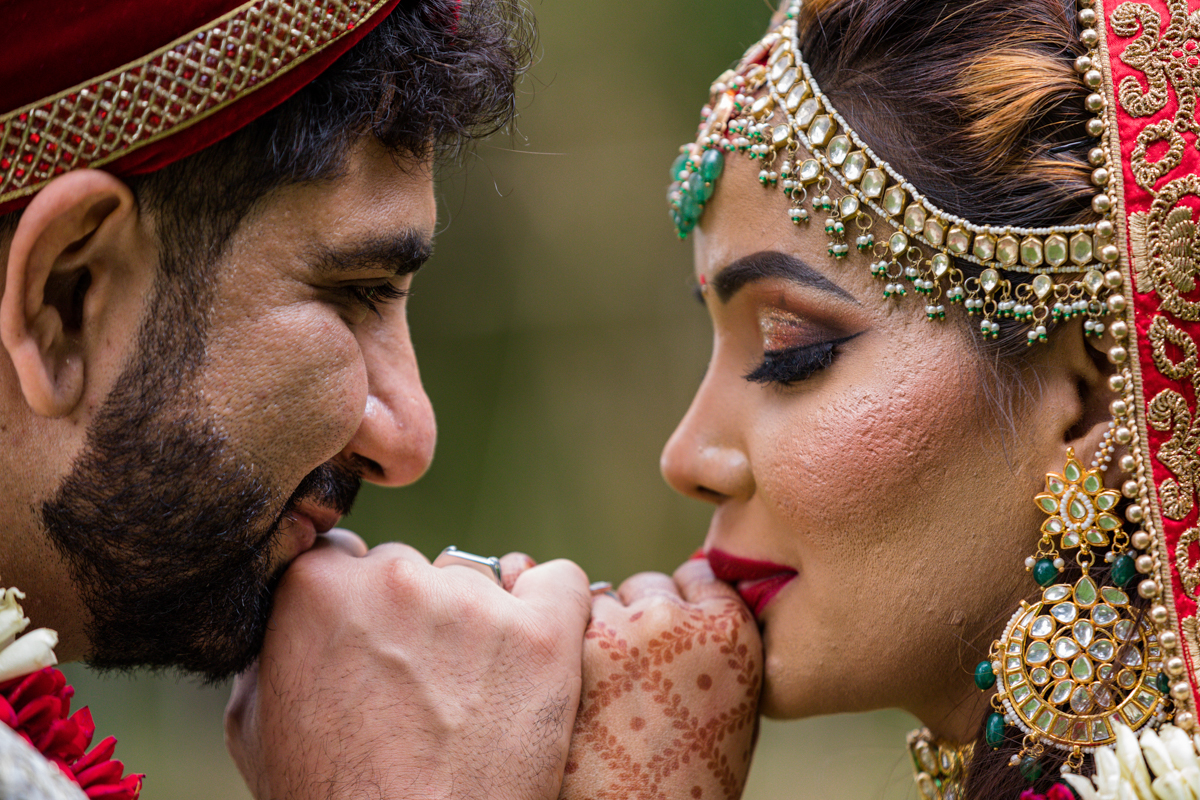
x,y
869,449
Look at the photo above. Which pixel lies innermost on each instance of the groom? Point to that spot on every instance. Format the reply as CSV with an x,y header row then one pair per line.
x,y
210,221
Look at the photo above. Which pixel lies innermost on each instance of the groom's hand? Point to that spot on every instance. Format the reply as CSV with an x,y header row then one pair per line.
x,y
383,677
672,670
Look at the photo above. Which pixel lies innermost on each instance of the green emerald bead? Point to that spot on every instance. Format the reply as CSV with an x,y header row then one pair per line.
x,y
984,677
1044,572
1031,768
712,164
993,732
677,167
1124,570
689,208
703,191
1163,683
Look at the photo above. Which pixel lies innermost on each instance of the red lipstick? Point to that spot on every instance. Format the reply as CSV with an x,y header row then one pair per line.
x,y
756,581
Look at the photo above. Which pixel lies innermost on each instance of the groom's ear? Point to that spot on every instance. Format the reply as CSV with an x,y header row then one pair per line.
x,y
69,264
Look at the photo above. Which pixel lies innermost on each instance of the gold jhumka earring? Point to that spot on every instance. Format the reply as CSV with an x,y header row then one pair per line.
x,y
1074,664
1100,650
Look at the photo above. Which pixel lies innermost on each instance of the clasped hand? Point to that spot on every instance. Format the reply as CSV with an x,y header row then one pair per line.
x,y
382,676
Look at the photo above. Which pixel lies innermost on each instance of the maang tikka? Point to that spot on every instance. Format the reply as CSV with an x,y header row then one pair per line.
x,y
771,110
1072,664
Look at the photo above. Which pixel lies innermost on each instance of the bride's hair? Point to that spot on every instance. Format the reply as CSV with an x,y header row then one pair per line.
x,y
976,103
979,106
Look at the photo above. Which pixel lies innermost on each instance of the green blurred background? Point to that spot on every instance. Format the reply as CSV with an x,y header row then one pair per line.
x,y
560,342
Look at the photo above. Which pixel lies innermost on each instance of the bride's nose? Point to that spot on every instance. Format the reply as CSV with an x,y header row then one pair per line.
x,y
706,458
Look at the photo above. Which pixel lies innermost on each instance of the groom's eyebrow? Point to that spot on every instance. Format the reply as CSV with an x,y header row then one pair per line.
x,y
402,253
773,264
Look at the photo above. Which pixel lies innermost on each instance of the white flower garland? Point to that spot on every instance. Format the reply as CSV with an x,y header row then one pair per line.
x,y
1162,766
29,653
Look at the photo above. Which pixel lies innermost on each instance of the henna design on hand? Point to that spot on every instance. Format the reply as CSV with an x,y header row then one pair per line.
x,y
722,741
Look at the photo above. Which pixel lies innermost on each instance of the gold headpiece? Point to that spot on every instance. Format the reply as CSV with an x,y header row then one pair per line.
x,y
1073,266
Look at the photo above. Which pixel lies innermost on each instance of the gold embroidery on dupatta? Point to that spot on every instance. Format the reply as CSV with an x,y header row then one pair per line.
x,y
1172,241
1162,59
1189,575
1191,635
1169,411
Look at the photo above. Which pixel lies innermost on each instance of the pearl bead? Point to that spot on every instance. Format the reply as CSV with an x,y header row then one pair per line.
x,y
1119,330
1128,463
1118,355
1175,666
1119,408
1141,540
1116,302
1029,562
1113,279
1144,564
1148,588
1116,382
1185,720
1169,639
1059,563
1096,156
1105,229
1135,514
1122,435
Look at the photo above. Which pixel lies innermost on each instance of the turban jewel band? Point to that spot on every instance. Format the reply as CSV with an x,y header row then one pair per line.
x,y
134,85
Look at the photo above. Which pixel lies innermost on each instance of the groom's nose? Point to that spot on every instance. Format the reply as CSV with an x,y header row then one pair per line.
x,y
397,432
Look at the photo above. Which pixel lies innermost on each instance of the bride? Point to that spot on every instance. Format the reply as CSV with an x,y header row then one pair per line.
x,y
947,425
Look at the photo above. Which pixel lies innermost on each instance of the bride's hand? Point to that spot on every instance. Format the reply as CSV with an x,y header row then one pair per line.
x,y
672,669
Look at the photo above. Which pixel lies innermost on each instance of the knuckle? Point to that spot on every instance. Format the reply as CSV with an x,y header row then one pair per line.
x,y
571,571
400,577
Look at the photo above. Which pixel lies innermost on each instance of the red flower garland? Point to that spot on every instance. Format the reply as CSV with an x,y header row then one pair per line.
x,y
37,706
1059,791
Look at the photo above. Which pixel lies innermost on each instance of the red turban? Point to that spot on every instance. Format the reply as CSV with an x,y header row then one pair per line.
x,y
134,85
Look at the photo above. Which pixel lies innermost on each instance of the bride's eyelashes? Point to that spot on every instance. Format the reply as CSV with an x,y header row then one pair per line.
x,y
794,347
795,364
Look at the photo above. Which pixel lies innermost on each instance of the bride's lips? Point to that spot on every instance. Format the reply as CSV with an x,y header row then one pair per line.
x,y
756,581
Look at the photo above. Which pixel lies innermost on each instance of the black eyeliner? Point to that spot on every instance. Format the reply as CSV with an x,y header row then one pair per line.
x,y
796,363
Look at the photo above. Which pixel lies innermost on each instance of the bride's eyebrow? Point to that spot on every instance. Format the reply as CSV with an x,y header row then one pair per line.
x,y
773,264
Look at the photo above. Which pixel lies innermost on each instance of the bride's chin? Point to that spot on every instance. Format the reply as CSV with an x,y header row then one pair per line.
x,y
787,693
797,685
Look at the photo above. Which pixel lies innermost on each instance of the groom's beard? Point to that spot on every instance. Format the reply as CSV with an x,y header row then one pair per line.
x,y
167,532
171,547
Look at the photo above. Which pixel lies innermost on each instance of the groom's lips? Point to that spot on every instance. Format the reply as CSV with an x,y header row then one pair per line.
x,y
308,520
756,581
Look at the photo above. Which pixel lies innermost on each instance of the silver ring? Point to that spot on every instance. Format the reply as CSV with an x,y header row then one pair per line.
x,y
488,565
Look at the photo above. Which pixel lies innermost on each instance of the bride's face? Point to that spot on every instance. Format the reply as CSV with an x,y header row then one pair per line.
x,y
852,445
